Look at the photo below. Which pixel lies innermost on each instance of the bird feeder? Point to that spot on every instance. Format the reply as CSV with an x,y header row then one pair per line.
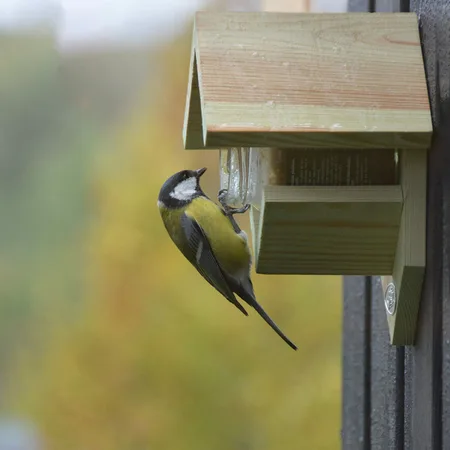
x,y
323,124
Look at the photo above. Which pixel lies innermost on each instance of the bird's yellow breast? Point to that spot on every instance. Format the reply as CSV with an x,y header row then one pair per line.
x,y
230,249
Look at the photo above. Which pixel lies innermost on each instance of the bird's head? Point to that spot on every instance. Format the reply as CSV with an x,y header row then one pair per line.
x,y
181,188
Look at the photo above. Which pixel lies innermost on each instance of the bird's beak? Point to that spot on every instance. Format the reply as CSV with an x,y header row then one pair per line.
x,y
200,172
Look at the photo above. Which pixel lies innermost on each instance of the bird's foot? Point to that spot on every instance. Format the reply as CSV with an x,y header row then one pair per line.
x,y
240,210
228,209
221,196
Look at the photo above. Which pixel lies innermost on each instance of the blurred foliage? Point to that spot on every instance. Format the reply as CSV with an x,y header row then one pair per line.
x,y
45,149
153,357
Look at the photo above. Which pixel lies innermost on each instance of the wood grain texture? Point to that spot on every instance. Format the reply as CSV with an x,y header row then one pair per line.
x,y
427,424
351,230
409,266
427,383
308,80
425,403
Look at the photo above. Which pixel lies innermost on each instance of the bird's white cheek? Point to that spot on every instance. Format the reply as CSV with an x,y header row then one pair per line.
x,y
185,190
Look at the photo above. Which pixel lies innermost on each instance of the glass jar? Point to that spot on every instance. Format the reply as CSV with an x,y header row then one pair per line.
x,y
245,171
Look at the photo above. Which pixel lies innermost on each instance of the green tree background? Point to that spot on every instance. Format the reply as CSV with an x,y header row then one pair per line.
x,y
109,339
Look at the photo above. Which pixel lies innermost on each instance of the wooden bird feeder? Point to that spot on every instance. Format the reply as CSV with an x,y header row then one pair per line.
x,y
336,106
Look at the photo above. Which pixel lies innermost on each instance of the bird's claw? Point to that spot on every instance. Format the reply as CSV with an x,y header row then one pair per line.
x,y
240,210
221,196
228,209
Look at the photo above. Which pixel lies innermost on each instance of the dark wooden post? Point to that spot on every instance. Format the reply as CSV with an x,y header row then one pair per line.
x,y
399,397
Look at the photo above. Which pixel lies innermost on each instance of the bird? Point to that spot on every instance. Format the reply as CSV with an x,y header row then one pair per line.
x,y
211,240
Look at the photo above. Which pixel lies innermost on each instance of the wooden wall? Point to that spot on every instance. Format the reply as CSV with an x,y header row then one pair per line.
x,y
399,397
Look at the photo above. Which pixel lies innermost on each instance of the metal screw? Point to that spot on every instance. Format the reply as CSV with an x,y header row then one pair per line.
x,y
390,299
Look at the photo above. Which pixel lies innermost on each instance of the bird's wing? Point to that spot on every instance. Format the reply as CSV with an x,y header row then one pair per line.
x,y
205,261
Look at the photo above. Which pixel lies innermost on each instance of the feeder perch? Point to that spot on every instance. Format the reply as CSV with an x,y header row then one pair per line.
x,y
323,124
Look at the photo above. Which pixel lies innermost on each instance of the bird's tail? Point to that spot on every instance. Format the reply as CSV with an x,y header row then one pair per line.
x,y
245,291
273,325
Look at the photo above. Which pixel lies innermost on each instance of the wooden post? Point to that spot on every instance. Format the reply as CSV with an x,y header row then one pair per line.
x,y
399,397
404,288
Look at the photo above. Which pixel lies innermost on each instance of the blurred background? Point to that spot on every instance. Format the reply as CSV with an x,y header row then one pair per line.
x,y
109,339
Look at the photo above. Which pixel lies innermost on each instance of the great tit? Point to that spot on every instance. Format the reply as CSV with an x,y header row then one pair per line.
x,y
209,237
